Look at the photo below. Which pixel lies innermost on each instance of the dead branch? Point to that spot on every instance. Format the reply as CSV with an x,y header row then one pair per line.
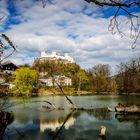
x,y
114,3
60,87
4,48
49,103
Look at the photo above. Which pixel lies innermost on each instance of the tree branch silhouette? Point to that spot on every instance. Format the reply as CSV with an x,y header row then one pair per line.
x,y
123,6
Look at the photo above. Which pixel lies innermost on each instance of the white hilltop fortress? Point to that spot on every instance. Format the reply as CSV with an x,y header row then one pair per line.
x,y
54,56
54,125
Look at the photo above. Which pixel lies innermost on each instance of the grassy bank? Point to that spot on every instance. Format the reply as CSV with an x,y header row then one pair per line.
x,y
57,91
67,90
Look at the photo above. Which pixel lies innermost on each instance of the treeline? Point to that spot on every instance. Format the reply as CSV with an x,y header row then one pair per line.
x,y
97,79
128,76
101,80
126,79
49,68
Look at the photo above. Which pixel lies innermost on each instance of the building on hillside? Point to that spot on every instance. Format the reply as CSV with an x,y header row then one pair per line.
x,y
55,57
8,67
9,85
56,80
51,57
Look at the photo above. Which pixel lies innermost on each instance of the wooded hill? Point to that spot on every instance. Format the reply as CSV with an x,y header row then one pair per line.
x,y
98,79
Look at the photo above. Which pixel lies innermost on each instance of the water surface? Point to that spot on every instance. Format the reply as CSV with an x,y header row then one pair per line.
x,y
35,123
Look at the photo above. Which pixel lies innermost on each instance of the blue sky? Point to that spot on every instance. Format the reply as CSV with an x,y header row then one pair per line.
x,y
74,27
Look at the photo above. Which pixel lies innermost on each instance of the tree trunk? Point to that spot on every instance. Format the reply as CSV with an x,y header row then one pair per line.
x,y
79,86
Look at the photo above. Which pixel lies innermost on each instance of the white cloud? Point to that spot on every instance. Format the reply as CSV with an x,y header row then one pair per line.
x,y
64,27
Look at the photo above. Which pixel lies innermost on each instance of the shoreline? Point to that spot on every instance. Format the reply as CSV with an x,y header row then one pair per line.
x,y
88,94
84,93
67,93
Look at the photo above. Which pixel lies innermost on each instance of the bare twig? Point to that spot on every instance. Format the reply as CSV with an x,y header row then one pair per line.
x,y
44,2
60,87
3,47
49,103
123,6
114,3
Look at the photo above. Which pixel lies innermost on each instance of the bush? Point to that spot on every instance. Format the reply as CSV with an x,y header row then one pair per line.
x,y
26,81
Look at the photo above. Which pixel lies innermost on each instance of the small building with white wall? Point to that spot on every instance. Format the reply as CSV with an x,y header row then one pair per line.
x,y
56,80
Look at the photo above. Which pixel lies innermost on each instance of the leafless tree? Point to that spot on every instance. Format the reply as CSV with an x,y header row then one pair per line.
x,y
128,76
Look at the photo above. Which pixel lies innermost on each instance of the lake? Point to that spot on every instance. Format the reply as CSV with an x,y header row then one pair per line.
x,y
36,123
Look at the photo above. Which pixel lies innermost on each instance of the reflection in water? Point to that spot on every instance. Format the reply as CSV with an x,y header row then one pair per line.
x,y
134,118
101,114
54,125
127,117
38,124
6,118
79,125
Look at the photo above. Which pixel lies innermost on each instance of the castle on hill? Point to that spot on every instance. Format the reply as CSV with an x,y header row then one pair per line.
x,y
56,57
60,79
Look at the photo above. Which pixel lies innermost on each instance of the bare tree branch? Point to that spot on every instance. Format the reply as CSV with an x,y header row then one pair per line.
x,y
44,2
114,3
4,48
121,5
60,87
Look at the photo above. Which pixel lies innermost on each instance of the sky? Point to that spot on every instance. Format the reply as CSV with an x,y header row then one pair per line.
x,y
74,27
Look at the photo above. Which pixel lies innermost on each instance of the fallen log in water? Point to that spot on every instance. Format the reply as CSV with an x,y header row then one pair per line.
x,y
127,109
110,109
82,109
73,108
50,108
